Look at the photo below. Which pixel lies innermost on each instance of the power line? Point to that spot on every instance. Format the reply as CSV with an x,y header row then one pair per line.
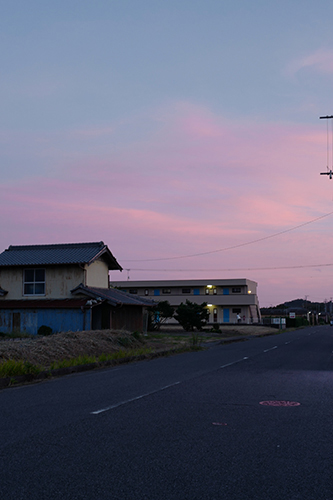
x,y
234,246
233,269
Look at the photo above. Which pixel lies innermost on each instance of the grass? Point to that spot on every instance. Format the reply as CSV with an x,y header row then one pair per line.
x,y
103,358
12,368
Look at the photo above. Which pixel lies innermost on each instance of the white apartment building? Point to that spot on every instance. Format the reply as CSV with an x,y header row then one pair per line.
x,y
228,301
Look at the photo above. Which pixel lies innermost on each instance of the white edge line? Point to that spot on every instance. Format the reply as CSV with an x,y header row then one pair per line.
x,y
132,399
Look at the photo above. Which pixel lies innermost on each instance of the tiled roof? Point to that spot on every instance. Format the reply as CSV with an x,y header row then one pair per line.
x,y
113,296
67,253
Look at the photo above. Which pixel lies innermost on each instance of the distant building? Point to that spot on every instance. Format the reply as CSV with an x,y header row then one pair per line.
x,y
65,287
226,299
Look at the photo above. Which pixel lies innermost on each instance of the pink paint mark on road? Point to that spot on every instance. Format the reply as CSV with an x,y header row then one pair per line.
x,y
279,403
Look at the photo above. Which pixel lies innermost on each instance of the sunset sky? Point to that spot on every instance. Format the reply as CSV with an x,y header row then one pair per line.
x,y
185,134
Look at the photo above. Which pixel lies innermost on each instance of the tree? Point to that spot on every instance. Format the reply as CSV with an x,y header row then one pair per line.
x,y
191,315
161,312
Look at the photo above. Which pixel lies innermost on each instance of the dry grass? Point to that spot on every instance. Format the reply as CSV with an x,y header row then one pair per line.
x,y
44,351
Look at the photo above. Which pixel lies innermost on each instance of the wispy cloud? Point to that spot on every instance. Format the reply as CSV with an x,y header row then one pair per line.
x,y
319,61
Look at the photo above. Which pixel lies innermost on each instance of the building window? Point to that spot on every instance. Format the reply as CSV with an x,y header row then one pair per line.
x,y
186,290
166,290
236,310
134,291
236,289
214,291
34,282
146,291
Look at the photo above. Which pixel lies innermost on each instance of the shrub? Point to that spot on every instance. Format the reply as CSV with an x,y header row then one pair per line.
x,y
45,330
191,315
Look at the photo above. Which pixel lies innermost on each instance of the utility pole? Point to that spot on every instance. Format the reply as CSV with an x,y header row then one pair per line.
x,y
329,170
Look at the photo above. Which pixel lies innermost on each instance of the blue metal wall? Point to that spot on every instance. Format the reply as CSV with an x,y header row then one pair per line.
x,y
60,320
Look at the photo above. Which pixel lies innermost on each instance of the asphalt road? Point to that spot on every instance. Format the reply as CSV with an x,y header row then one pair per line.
x,y
187,427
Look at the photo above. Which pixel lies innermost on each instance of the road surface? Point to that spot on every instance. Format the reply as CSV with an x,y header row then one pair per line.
x,y
249,420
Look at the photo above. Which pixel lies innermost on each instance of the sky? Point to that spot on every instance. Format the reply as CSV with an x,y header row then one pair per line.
x,y
185,134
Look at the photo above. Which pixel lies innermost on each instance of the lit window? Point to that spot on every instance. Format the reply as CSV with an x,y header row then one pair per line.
x,y
34,282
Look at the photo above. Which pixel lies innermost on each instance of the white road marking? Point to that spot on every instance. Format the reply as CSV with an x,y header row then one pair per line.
x,y
288,342
271,349
132,399
234,362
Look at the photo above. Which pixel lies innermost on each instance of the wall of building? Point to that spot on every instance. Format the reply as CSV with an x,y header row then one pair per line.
x,y
227,299
59,281
127,318
29,320
97,274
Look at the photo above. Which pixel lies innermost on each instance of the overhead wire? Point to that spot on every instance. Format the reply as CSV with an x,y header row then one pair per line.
x,y
235,269
234,246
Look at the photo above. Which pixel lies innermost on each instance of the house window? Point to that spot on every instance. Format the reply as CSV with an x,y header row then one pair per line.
x,y
186,290
146,291
236,310
166,290
134,291
236,290
214,291
34,282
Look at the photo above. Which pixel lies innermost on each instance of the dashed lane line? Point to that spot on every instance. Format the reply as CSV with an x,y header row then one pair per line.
x,y
121,403
271,348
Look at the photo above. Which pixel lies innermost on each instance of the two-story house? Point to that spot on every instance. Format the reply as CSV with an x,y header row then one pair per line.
x,y
65,287
228,300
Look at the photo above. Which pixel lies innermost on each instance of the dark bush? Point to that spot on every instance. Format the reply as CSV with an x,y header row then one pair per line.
x,y
45,330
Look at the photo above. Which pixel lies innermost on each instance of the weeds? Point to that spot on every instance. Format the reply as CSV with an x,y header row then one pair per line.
x,y
103,358
12,368
195,342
